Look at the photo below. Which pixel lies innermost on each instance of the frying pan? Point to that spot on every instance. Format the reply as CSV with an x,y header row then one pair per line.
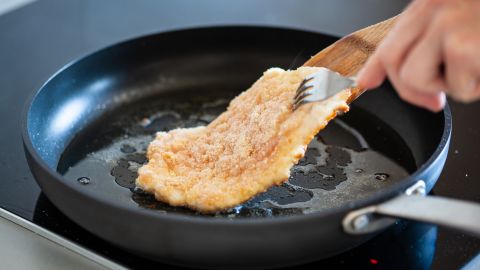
x,y
116,98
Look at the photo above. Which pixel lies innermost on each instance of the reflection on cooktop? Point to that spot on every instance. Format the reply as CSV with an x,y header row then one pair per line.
x,y
408,245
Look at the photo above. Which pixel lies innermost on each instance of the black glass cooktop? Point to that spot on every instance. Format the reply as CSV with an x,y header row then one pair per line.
x,y
408,245
40,38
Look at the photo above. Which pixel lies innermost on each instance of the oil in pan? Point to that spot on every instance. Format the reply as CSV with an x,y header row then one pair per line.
x,y
341,164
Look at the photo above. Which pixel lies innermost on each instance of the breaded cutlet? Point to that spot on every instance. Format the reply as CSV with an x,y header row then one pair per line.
x,y
247,149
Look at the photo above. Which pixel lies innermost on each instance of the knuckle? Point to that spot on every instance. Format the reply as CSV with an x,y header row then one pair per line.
x,y
456,46
447,18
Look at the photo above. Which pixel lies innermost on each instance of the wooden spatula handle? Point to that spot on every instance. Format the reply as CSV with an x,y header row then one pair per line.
x,y
348,54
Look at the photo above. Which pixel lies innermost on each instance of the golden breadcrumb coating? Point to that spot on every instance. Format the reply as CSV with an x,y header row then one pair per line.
x,y
243,152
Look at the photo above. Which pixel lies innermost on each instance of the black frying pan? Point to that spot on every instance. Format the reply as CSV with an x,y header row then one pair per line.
x,y
86,130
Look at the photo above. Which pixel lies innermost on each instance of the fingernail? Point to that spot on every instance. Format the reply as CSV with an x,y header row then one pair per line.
x,y
442,100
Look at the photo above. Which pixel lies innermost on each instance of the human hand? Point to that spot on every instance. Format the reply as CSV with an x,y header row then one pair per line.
x,y
433,50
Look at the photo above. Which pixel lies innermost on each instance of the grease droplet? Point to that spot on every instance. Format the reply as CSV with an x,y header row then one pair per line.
x,y
381,176
84,180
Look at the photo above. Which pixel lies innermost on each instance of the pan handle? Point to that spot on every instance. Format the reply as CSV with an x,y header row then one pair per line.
x,y
414,205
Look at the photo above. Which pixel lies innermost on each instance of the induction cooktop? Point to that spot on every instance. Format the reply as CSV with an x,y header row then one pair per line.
x,y
38,39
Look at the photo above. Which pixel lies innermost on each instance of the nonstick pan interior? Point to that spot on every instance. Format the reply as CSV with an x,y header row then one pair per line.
x,y
357,155
91,123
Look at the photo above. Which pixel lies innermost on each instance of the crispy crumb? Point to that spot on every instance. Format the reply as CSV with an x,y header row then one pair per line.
x,y
243,152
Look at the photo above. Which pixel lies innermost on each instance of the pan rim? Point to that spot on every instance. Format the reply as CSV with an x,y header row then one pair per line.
x,y
378,196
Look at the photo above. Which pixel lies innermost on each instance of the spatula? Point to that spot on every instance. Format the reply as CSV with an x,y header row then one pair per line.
x,y
341,61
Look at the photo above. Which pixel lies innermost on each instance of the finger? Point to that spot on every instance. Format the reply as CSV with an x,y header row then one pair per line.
x,y
466,93
422,68
462,64
433,102
461,83
388,56
372,74
474,95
